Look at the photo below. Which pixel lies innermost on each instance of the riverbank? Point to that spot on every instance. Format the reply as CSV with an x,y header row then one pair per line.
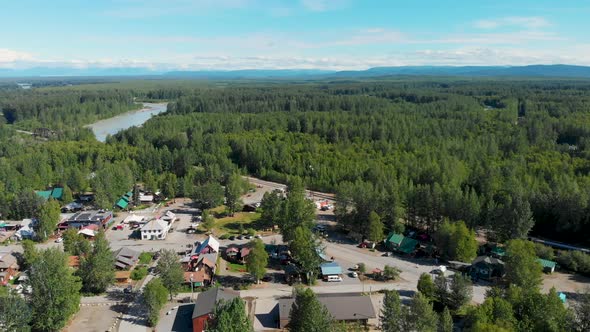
x,y
113,125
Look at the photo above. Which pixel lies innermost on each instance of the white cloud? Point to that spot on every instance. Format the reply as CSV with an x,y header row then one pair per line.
x,y
527,22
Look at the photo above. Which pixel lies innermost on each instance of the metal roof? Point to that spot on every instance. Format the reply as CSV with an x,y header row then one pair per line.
x,y
205,303
395,238
341,307
331,268
546,263
122,203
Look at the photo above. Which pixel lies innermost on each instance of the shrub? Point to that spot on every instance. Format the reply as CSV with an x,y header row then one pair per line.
x,y
224,237
576,261
145,257
544,251
139,273
251,231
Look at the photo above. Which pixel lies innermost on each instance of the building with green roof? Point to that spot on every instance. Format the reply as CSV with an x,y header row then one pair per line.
x,y
55,193
398,242
548,266
122,203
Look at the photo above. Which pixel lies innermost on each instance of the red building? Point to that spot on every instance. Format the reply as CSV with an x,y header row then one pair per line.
x,y
205,305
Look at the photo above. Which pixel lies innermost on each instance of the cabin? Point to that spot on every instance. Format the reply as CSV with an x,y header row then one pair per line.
x,y
487,268
125,258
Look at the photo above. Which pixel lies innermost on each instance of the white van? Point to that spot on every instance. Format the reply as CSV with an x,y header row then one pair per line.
x,y
334,278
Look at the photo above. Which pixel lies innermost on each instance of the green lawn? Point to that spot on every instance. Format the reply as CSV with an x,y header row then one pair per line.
x,y
233,267
231,225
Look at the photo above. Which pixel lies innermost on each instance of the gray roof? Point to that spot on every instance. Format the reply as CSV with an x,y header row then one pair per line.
x,y
487,260
206,301
340,306
7,260
125,257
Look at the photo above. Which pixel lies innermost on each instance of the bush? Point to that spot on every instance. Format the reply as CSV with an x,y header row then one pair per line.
x,y
224,237
145,257
576,261
251,231
139,273
544,251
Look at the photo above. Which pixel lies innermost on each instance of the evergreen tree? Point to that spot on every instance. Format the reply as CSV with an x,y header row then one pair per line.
x,y
375,228
421,316
55,293
298,211
48,217
393,314
170,271
308,314
445,323
230,316
67,196
257,259
521,265
207,221
97,268
234,188
304,248
426,286
154,297
15,314
75,244
460,293
581,311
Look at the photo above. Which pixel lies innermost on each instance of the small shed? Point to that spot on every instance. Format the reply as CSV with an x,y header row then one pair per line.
x,y
548,266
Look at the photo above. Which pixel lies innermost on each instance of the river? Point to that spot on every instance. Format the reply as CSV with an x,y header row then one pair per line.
x,y
123,121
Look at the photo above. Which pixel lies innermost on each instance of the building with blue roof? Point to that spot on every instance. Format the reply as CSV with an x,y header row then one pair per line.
x,y
330,269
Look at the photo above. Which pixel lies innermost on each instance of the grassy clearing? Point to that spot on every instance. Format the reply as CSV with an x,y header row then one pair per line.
x,y
233,267
231,225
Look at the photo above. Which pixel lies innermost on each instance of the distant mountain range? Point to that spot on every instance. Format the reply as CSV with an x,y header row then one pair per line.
x,y
566,71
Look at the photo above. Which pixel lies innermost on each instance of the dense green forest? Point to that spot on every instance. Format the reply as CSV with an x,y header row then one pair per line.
x,y
507,155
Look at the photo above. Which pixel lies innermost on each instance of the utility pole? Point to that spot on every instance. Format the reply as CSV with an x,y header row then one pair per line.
x,y
192,286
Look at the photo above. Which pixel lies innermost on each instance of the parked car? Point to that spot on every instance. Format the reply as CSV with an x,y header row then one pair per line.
x,y
249,237
231,238
353,274
191,231
258,236
240,237
59,240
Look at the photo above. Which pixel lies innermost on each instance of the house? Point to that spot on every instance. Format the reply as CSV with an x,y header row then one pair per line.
x,y
125,258
400,243
155,229
330,269
134,219
89,231
25,231
144,198
205,305
548,266
84,218
342,307
237,254
487,268
169,217
72,207
199,278
210,245
55,193
8,267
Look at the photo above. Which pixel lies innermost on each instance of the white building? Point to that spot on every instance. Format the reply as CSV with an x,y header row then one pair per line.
x,y
156,229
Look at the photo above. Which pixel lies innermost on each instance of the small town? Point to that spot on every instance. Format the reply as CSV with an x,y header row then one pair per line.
x,y
167,265
295,165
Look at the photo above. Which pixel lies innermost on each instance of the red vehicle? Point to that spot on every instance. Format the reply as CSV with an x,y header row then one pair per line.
x,y
363,245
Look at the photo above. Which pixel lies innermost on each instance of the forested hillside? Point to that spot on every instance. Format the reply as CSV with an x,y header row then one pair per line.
x,y
505,155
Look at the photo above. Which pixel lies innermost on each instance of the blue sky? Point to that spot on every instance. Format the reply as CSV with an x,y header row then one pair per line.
x,y
325,34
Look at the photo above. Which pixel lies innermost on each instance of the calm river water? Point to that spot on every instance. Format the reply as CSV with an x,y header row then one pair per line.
x,y
123,121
